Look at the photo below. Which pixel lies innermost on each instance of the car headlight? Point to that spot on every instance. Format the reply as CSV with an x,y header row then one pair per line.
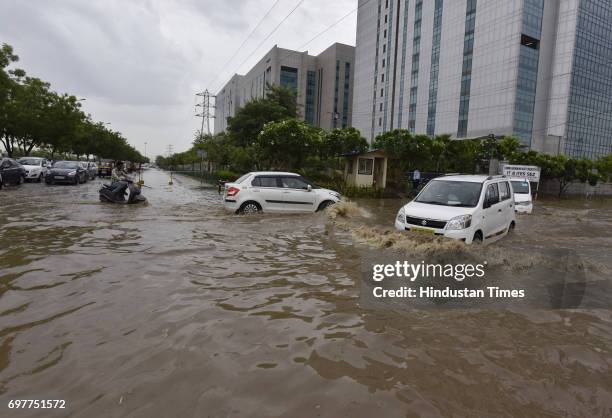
x,y
401,216
72,173
460,222
336,195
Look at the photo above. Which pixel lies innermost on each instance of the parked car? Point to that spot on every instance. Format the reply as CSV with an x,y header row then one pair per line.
x,y
105,169
66,172
523,202
270,191
470,208
11,172
35,167
92,170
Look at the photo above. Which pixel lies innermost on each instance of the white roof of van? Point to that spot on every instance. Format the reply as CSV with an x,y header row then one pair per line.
x,y
472,178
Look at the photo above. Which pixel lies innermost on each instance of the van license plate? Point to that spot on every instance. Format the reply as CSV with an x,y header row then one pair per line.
x,y
60,177
423,230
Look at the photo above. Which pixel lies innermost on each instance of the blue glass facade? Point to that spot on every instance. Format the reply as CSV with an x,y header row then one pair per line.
x,y
403,65
345,98
435,68
311,85
289,78
589,116
414,72
466,69
387,35
528,70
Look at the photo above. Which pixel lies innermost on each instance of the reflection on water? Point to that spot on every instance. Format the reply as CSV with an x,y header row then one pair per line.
x,y
179,309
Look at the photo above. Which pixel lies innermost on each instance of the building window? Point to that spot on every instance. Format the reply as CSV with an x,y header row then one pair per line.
x,y
414,73
381,92
365,166
289,78
466,71
346,97
337,82
310,96
434,69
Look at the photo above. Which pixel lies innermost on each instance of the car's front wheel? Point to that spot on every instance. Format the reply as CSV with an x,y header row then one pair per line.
x,y
478,239
249,207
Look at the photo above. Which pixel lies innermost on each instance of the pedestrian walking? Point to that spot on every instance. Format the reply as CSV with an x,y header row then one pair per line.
x,y
416,178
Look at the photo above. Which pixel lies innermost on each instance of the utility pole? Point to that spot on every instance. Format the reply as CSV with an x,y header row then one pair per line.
x,y
207,109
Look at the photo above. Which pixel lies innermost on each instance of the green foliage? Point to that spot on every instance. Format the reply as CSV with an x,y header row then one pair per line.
x,y
343,141
245,126
226,175
35,118
288,144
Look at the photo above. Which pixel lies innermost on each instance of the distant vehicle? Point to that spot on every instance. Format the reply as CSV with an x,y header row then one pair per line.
x,y
92,170
66,172
11,172
469,208
35,167
270,191
523,202
105,169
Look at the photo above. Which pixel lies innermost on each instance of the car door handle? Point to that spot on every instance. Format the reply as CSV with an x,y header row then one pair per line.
x,y
499,210
285,192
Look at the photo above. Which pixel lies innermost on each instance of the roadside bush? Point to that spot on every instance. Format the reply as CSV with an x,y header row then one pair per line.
x,y
226,175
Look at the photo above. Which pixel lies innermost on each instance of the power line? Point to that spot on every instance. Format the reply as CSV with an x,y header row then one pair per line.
x,y
224,66
333,24
266,38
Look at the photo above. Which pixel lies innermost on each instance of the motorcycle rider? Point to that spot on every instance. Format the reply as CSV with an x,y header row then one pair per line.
x,y
119,178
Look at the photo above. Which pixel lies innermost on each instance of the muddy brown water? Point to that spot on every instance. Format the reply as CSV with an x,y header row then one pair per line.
x,y
179,309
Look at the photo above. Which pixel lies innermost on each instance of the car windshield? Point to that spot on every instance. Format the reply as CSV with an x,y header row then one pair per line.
x,y
30,161
520,187
66,164
451,193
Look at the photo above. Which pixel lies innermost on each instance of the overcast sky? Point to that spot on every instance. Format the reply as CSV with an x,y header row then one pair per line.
x,y
139,63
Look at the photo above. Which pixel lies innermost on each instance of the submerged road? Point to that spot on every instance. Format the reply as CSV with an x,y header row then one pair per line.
x,y
179,309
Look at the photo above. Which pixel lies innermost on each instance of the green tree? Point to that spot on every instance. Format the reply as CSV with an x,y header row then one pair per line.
x,y
343,141
288,144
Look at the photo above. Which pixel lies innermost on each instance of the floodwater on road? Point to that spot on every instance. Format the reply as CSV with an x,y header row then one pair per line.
x,y
177,308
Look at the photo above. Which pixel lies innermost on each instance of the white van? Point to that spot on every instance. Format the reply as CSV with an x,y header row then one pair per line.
x,y
470,208
523,202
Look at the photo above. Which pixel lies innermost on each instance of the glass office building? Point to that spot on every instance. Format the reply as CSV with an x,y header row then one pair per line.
x,y
540,70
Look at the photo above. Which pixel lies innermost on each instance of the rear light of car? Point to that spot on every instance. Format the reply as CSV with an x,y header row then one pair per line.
x,y
232,191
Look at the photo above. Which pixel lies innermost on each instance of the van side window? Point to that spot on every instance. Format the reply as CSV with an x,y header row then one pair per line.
x,y
504,191
492,194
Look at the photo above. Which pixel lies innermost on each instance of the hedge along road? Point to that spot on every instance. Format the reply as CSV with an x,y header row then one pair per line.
x,y
179,309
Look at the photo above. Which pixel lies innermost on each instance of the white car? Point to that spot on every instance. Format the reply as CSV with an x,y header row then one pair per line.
x,y
36,168
271,191
523,203
470,208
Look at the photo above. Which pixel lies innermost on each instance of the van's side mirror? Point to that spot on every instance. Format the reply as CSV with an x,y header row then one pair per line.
x,y
309,188
487,203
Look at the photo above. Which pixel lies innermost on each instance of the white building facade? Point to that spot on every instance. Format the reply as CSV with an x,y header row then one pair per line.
x,y
323,85
536,69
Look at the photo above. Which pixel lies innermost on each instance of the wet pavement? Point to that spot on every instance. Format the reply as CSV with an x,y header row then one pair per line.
x,y
179,309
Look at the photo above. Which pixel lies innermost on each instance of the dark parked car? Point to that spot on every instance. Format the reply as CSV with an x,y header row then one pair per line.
x,y
66,172
11,172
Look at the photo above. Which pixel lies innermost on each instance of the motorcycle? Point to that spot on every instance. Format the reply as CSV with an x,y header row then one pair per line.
x,y
108,194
